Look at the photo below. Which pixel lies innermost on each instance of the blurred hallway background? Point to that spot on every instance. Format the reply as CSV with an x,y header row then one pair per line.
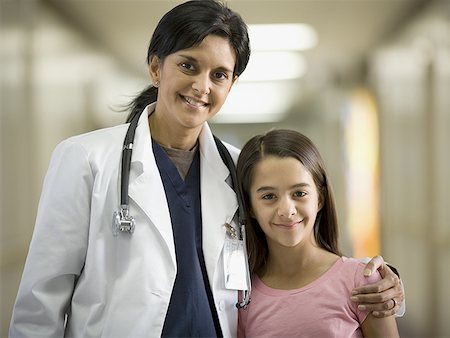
x,y
368,82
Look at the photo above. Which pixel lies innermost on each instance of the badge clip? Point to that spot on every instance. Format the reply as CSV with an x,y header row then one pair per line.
x,y
231,231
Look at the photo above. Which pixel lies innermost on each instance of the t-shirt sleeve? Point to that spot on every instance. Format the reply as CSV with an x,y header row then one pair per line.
x,y
361,280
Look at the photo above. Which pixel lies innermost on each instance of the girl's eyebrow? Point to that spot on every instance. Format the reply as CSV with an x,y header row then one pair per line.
x,y
265,188
269,188
300,185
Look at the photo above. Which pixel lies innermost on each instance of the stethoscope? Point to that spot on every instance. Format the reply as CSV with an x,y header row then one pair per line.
x,y
124,222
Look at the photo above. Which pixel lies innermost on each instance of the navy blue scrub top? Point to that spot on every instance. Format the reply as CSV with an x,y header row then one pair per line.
x,y
191,311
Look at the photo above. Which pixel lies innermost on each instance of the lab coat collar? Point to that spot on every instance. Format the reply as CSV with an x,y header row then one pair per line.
x,y
219,202
146,187
218,199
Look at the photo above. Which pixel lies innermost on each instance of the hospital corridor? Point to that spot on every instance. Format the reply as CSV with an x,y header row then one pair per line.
x,y
368,81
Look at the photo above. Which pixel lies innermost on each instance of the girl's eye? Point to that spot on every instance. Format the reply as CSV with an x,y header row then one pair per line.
x,y
299,194
268,196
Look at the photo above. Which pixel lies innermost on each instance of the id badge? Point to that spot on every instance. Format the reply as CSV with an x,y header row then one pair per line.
x,y
235,267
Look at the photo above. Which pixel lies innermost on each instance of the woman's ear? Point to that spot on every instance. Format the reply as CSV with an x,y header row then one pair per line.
x,y
233,82
154,68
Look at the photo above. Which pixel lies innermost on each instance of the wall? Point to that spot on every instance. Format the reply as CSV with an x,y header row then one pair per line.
x,y
411,76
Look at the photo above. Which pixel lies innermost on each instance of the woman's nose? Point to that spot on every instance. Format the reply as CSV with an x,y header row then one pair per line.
x,y
202,84
286,208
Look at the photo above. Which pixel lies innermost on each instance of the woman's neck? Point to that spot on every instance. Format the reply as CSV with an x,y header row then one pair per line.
x,y
169,136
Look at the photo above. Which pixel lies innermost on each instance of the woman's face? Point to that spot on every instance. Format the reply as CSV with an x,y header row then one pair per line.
x,y
284,200
194,82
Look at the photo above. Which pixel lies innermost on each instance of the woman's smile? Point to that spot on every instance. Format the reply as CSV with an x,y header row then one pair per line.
x,y
194,103
193,85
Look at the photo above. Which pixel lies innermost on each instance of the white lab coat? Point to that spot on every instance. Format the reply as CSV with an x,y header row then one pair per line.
x,y
115,286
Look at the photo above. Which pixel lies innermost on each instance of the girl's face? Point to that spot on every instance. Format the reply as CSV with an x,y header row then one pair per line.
x,y
285,201
194,82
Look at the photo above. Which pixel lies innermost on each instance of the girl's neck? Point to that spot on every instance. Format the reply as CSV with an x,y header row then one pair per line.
x,y
293,268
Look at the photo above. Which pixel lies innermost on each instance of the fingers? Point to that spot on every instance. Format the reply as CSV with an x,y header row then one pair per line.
x,y
390,280
377,293
386,313
374,264
384,297
381,302
382,309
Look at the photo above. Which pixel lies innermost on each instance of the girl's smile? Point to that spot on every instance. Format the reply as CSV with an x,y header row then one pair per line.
x,y
284,201
288,226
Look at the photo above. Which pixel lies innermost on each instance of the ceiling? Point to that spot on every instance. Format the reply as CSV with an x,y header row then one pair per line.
x,y
347,29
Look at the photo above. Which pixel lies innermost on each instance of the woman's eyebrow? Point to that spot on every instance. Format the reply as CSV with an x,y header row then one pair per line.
x,y
189,58
194,60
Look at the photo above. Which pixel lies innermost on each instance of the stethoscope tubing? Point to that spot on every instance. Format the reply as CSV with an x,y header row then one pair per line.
x,y
126,160
124,222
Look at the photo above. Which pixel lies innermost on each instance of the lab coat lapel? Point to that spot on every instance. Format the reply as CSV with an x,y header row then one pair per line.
x,y
146,187
219,202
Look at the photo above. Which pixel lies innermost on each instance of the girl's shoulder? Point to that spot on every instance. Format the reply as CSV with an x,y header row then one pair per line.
x,y
355,267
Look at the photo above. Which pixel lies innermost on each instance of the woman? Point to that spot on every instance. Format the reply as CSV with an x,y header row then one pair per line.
x,y
166,278
301,283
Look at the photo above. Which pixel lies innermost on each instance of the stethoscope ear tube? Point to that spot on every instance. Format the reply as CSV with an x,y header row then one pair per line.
x,y
126,159
226,158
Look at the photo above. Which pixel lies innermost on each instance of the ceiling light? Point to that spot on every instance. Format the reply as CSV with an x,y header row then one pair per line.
x,y
265,92
271,66
257,102
282,37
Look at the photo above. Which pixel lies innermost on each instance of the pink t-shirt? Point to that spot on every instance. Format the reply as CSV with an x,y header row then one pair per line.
x,y
320,309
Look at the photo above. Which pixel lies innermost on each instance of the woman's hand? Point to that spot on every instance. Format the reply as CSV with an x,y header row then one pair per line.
x,y
382,298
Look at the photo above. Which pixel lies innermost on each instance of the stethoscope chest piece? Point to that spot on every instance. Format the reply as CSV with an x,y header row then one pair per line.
x,y
122,221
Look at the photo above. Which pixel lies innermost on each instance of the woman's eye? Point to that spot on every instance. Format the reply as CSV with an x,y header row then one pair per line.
x,y
187,66
220,76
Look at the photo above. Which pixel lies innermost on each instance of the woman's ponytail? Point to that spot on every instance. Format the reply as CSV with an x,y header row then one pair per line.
x,y
147,96
186,25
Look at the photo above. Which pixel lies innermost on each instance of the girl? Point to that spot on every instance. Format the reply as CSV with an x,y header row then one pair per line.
x,y
301,282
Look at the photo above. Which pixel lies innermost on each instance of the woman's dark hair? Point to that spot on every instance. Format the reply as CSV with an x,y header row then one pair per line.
x,y
185,26
284,143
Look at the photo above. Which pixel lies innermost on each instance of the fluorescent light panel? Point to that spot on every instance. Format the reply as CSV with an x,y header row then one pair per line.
x,y
257,102
263,92
289,36
273,66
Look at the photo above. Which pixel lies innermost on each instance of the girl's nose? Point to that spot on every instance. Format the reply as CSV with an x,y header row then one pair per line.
x,y
287,208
